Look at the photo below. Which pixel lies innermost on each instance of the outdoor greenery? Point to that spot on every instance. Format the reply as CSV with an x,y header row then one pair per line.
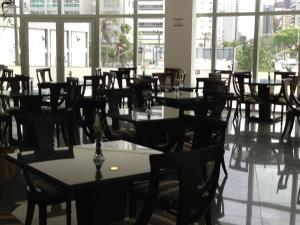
x,y
116,48
279,45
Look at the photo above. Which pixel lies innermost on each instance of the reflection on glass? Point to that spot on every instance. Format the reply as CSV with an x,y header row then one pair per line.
x,y
42,47
116,42
9,54
203,46
236,6
77,41
151,7
275,5
40,7
278,44
204,6
151,45
116,6
235,42
76,7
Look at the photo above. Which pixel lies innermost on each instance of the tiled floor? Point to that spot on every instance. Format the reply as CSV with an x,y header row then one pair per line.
x,y
262,187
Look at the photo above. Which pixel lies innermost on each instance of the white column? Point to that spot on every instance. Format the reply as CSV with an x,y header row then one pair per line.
x,y
180,22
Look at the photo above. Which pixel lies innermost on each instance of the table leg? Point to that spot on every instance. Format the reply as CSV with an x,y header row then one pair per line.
x,y
101,205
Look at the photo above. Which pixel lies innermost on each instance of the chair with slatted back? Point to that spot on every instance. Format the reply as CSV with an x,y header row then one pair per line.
x,y
291,88
92,82
225,75
166,81
196,187
108,79
7,73
43,192
278,98
98,71
206,132
43,75
245,94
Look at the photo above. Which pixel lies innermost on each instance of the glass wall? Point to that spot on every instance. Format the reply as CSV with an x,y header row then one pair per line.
x,y
116,42
274,47
151,43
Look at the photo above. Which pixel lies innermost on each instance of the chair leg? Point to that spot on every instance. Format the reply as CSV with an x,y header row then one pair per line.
x,y
132,205
281,116
30,212
68,212
43,214
247,111
207,217
224,167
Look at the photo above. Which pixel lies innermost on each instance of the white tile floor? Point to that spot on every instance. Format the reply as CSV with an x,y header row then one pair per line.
x,y
262,187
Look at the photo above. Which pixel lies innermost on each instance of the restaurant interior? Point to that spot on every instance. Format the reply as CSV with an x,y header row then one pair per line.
x,y
149,112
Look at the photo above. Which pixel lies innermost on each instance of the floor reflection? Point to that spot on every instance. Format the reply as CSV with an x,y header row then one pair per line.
x,y
262,187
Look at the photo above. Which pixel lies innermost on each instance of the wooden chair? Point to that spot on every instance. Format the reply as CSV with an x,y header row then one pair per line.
x,y
7,73
245,93
91,81
166,81
43,75
195,187
291,87
40,191
108,79
278,98
225,75
98,71
206,132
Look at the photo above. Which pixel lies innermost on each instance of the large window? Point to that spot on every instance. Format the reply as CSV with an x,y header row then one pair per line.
x,y
274,47
116,42
151,44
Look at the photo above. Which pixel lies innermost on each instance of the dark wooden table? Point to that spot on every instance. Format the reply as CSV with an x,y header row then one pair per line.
x,y
100,195
159,125
264,88
176,99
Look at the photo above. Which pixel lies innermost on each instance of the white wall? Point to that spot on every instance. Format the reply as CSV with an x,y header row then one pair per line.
x,y
180,47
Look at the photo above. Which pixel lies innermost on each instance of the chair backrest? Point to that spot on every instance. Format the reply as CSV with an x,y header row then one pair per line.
x,y
123,74
206,131
73,91
283,74
226,75
240,82
98,71
17,83
197,186
291,88
108,79
166,80
43,75
7,73
42,126
91,81
57,93
23,81
140,88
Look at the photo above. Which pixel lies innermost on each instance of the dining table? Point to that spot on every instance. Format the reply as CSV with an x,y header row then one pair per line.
x,y
99,191
152,126
176,98
265,88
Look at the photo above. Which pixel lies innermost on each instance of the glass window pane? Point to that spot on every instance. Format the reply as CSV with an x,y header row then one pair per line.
x,y
77,43
236,6
116,6
77,7
40,7
9,54
204,6
42,47
116,42
203,46
281,5
235,42
151,45
151,6
277,45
